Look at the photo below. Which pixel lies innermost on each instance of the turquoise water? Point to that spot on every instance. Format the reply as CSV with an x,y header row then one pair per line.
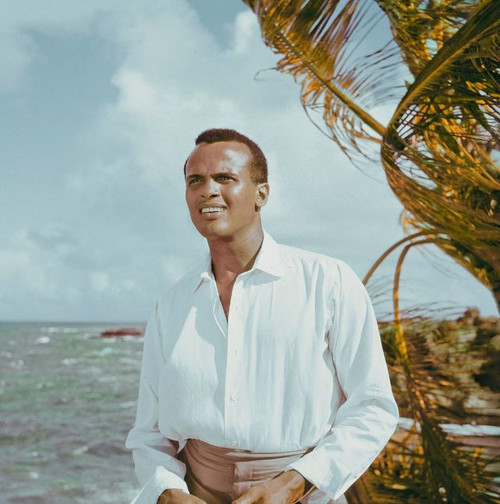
x,y
67,402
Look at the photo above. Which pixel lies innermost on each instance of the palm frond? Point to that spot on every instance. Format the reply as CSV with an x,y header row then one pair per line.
x,y
420,27
323,46
425,462
438,152
437,369
428,460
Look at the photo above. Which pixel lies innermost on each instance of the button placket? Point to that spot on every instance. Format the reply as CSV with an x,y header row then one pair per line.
x,y
232,365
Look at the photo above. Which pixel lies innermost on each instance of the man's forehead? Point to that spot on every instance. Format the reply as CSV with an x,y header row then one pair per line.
x,y
226,148
230,154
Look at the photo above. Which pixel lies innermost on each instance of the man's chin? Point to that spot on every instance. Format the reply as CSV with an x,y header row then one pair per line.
x,y
213,231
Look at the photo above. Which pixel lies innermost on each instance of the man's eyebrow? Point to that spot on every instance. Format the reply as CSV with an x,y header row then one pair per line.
x,y
192,175
225,173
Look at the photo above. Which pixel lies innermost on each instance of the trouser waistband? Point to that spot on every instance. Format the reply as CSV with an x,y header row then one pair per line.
x,y
219,475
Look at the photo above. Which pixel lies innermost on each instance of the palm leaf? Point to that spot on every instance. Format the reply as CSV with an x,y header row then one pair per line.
x,y
437,151
437,154
438,373
426,464
321,44
437,148
420,27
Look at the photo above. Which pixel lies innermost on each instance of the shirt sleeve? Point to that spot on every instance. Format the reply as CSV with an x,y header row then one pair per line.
x,y
367,419
155,457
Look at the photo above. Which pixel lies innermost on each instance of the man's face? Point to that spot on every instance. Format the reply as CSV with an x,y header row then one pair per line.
x,y
222,198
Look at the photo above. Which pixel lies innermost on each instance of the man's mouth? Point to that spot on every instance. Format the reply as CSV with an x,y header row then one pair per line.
x,y
212,210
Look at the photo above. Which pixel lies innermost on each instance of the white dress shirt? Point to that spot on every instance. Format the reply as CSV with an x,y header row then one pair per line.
x,y
298,363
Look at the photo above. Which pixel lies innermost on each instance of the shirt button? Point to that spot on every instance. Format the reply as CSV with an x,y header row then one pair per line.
x,y
234,397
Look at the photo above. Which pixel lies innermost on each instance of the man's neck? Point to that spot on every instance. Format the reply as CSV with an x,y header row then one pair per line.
x,y
233,257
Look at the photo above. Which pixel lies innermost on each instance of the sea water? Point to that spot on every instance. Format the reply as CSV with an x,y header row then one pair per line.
x,y
67,402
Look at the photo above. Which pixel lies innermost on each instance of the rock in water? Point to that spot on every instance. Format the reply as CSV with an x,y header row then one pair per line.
x,y
123,331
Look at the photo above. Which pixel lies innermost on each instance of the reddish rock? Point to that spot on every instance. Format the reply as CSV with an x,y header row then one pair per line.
x,y
123,331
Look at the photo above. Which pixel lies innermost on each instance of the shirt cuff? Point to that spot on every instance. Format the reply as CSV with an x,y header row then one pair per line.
x,y
161,480
332,479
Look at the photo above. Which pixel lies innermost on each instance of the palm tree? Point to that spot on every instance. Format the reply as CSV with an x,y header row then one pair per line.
x,y
437,149
438,152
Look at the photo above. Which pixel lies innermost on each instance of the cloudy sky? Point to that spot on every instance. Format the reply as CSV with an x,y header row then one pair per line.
x,y
100,104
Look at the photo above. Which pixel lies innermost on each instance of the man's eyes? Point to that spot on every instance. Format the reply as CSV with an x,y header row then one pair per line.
x,y
218,178
224,178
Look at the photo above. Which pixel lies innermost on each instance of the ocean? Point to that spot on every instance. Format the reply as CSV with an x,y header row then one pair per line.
x,y
67,402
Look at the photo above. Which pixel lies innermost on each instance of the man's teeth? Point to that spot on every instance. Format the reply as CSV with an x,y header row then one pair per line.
x,y
212,210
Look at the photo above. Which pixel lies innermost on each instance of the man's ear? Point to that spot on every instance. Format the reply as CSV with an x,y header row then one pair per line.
x,y
261,195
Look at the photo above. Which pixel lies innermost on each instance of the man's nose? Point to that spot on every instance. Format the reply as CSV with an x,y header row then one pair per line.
x,y
211,189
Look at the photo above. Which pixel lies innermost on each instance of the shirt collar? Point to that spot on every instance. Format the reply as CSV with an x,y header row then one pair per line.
x,y
205,272
268,260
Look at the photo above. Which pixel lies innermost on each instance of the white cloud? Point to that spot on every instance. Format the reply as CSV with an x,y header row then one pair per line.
x,y
14,61
244,33
130,232
20,20
99,281
24,266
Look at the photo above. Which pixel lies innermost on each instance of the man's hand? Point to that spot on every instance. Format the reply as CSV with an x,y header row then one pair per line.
x,y
175,496
286,488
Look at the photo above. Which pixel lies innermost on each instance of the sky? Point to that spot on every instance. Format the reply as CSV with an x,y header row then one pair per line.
x,y
100,103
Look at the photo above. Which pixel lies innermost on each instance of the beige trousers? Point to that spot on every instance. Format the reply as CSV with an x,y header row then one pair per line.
x,y
220,475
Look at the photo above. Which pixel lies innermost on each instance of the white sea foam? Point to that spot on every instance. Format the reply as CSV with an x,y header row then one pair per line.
x,y
18,364
81,451
66,409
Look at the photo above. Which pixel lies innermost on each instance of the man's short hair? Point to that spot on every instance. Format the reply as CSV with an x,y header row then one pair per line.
x,y
258,164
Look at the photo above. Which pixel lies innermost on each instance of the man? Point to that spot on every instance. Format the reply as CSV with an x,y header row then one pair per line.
x,y
263,377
